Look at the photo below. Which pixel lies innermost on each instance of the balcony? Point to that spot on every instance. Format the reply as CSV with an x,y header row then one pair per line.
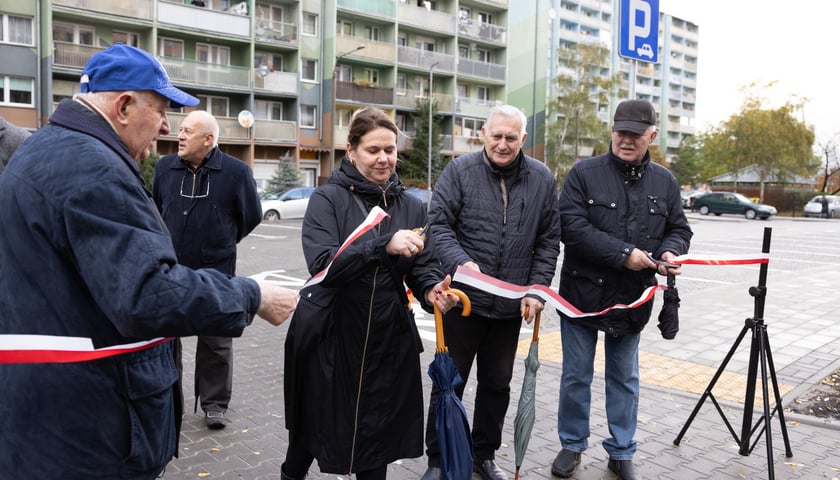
x,y
277,82
349,91
482,31
72,55
481,69
134,9
381,51
277,33
179,16
493,3
409,99
430,20
217,77
417,57
459,145
273,131
473,107
379,9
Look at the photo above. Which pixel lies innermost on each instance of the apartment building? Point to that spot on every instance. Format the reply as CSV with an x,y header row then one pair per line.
x,y
282,76
670,84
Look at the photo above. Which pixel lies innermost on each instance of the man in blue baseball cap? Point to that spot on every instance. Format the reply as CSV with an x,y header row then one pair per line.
x,y
91,292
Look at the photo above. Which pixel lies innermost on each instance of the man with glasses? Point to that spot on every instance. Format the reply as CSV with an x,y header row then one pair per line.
x,y
209,202
618,212
493,211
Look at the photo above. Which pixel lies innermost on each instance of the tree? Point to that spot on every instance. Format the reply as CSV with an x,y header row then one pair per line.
x,y
286,176
688,166
413,167
573,116
147,167
830,175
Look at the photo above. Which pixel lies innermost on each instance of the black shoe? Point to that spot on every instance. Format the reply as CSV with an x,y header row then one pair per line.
x,y
433,473
489,470
622,468
215,420
565,463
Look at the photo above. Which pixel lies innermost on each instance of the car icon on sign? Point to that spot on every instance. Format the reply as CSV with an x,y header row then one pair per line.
x,y
645,51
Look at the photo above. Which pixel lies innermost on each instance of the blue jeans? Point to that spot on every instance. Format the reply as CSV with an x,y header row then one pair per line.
x,y
622,388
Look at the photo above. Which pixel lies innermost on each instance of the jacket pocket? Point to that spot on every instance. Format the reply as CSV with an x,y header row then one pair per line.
x,y
149,393
658,217
586,290
603,212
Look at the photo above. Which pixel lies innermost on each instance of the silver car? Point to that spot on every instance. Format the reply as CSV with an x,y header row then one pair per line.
x,y
814,207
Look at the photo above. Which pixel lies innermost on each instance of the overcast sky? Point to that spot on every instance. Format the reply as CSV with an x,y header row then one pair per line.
x,y
742,41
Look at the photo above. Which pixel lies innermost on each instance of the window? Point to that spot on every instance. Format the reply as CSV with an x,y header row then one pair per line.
x,y
344,73
422,84
70,33
270,13
308,113
274,61
15,29
212,54
170,47
482,55
402,40
266,110
424,43
463,90
483,94
310,24
401,84
344,28
217,106
344,116
127,38
17,91
308,70
463,51
485,17
372,33
372,76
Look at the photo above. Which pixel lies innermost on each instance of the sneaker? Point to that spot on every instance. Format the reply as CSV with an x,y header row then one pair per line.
x,y
215,420
565,464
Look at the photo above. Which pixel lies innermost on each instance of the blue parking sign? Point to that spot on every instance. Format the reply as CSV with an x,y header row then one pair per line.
x,y
639,30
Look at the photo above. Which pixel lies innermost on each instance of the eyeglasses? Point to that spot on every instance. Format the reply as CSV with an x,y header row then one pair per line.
x,y
192,188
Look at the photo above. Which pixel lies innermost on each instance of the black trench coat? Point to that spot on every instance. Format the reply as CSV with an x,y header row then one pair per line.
x,y
353,385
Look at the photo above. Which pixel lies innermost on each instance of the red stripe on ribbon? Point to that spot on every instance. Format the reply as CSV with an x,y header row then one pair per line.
x,y
720,259
47,349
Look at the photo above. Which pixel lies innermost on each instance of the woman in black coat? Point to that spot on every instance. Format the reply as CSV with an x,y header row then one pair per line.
x,y
353,387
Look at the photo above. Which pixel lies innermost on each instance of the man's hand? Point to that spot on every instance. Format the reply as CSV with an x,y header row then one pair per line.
x,y
532,306
276,303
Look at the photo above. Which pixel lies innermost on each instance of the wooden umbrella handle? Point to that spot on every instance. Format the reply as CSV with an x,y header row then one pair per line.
x,y
536,336
467,307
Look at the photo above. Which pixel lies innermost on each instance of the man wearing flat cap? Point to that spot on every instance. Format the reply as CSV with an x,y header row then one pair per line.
x,y
91,293
618,212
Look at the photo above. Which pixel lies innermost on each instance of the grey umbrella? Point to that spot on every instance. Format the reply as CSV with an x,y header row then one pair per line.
x,y
523,424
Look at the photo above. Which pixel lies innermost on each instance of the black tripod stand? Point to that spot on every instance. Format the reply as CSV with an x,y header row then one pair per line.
x,y
759,353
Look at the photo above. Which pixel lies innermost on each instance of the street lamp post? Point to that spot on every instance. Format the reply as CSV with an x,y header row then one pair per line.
x,y
334,88
431,79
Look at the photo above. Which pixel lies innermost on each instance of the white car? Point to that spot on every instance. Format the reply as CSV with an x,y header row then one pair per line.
x,y
645,51
814,207
287,204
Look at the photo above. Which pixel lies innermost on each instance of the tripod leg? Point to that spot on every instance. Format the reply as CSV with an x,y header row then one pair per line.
x,y
708,392
788,451
765,393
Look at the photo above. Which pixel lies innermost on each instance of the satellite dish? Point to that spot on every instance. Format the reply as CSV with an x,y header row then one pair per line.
x,y
246,119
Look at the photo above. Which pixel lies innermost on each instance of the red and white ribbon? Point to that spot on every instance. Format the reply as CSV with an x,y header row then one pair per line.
x,y
57,349
375,216
504,289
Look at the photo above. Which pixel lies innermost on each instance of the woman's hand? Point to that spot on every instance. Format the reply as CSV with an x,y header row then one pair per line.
x,y
405,242
437,295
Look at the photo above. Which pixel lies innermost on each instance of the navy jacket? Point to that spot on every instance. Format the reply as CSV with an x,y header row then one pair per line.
x,y
605,212
84,253
512,235
206,229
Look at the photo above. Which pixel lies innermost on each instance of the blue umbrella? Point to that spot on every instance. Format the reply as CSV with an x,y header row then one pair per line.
x,y
451,424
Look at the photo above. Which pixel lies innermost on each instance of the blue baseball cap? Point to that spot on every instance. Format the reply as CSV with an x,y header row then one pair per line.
x,y
122,67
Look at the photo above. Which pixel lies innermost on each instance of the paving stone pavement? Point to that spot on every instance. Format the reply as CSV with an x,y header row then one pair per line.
x,y
804,343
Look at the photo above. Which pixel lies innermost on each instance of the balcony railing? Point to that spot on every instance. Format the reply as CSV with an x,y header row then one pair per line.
x,y
178,15
409,99
481,69
417,57
277,82
276,32
208,74
72,55
440,22
230,130
482,31
373,49
459,145
349,91
380,9
136,9
473,106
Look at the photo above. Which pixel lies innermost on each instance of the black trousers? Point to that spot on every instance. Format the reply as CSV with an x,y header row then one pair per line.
x,y
492,343
214,372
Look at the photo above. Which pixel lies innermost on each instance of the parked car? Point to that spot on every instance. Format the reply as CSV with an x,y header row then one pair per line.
x,y
287,204
421,193
814,207
729,202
